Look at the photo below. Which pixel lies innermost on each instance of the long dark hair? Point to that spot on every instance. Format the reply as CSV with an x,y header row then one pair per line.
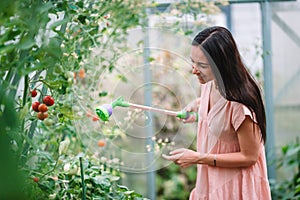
x,y
233,79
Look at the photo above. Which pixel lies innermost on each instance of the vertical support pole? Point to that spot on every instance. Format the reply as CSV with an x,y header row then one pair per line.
x,y
227,11
266,14
149,125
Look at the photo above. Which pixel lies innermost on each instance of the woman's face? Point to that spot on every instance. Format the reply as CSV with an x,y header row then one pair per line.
x,y
200,65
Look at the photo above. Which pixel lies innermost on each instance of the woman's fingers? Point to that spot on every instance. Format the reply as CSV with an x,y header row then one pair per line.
x,y
174,155
178,151
190,119
182,157
171,157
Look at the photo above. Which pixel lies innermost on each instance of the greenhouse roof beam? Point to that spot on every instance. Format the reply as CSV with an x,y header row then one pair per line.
x,y
162,7
257,1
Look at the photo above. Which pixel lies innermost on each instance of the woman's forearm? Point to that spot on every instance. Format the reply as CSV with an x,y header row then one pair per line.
x,y
228,160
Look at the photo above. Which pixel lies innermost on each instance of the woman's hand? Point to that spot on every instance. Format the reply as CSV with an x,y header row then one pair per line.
x,y
183,157
191,107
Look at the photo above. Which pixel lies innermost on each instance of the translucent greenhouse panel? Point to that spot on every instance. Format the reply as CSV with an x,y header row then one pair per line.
x,y
246,29
286,71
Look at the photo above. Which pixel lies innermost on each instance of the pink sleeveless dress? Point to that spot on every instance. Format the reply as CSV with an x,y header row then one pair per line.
x,y
217,134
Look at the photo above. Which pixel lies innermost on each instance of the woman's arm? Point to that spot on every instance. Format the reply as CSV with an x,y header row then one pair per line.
x,y
249,140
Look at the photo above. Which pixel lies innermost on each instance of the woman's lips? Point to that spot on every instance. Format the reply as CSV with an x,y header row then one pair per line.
x,y
201,79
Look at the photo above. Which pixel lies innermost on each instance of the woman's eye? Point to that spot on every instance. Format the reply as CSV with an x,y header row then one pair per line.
x,y
202,65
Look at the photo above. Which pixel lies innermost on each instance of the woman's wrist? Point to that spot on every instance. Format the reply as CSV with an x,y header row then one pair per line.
x,y
215,160
208,159
203,158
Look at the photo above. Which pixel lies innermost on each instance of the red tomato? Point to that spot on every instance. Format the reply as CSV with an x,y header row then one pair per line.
x,y
88,114
95,118
101,143
48,100
35,106
36,179
42,115
43,108
81,73
33,93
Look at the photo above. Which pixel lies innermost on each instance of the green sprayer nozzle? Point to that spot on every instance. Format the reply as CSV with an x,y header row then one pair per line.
x,y
105,111
185,115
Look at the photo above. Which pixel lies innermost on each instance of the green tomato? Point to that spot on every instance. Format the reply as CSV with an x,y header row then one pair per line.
x,y
73,170
48,122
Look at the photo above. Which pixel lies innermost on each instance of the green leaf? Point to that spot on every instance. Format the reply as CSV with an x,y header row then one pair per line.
x,y
54,48
56,83
71,191
7,7
293,152
122,187
73,7
284,149
80,4
188,32
102,94
103,182
122,78
9,35
129,192
46,7
59,23
45,154
24,111
26,43
114,178
297,189
151,59
7,49
82,18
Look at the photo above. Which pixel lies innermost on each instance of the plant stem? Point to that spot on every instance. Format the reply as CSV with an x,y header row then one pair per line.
x,y
42,81
24,99
298,157
82,179
54,167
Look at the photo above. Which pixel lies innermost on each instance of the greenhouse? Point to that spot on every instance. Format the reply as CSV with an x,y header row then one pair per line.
x,y
101,99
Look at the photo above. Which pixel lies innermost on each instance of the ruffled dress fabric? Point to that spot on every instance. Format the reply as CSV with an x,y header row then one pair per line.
x,y
217,134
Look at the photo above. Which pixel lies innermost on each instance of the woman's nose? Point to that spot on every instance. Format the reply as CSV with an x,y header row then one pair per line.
x,y
194,69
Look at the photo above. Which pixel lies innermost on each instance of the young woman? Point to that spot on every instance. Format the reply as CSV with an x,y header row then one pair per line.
x,y
230,156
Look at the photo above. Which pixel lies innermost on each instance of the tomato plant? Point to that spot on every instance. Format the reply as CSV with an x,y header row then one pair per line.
x,y
49,46
43,44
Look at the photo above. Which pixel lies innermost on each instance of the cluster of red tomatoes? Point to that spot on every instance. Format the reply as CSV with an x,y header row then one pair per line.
x,y
42,108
